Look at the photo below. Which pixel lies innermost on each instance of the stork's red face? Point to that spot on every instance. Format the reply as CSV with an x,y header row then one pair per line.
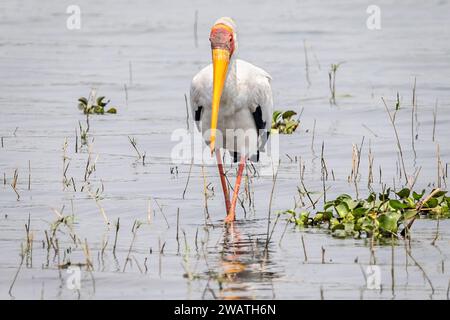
x,y
222,46
222,37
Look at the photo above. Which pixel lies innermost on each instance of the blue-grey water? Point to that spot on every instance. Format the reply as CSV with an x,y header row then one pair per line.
x,y
142,56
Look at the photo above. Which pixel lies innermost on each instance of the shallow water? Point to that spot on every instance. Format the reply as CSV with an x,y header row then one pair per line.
x,y
45,67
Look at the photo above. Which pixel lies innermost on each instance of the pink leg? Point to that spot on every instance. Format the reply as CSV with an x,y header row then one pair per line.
x,y
232,212
223,180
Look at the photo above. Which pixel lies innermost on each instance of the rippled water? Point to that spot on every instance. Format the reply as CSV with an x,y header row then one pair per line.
x,y
150,48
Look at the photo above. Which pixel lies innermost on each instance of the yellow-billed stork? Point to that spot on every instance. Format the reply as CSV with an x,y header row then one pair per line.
x,y
231,101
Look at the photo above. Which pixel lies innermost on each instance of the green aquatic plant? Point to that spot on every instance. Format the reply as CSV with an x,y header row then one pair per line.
x,y
282,122
378,216
97,108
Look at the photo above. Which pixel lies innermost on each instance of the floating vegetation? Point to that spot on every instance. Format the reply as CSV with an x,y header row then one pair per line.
x,y
97,108
377,216
282,122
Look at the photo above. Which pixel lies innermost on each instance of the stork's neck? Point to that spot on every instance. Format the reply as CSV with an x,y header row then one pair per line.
x,y
231,81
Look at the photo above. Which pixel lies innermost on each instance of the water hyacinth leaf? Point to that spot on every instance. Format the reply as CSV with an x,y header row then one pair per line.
x,y
404,193
384,196
291,126
432,203
409,214
327,215
366,223
318,217
439,194
348,227
288,114
342,209
410,203
418,196
303,216
359,212
372,197
441,199
397,205
100,101
388,222
275,116
99,109
352,204
83,100
343,197
338,226
328,205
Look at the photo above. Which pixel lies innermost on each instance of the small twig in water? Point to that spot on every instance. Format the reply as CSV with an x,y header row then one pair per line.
x,y
187,111
162,212
434,119
134,144
304,249
189,176
275,174
115,237
398,139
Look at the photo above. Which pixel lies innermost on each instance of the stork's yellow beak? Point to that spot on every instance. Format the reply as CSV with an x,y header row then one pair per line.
x,y
221,59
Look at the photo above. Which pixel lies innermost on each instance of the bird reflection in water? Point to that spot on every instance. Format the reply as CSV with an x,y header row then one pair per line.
x,y
243,266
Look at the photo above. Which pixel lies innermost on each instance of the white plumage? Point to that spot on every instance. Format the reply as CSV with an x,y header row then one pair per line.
x,y
246,88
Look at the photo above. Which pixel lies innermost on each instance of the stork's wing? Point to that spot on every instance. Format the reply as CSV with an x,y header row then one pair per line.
x,y
201,88
262,104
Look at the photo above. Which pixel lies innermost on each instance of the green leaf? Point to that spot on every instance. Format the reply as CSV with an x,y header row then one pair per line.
x,y
342,209
291,125
409,214
372,197
385,196
328,205
288,114
432,203
291,212
404,193
352,204
99,109
439,194
359,212
83,100
112,110
418,196
275,116
100,101
349,227
397,205
343,197
327,215
388,222
318,217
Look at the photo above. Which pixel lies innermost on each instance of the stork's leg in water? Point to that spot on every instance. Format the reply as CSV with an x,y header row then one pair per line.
x,y
223,181
231,213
